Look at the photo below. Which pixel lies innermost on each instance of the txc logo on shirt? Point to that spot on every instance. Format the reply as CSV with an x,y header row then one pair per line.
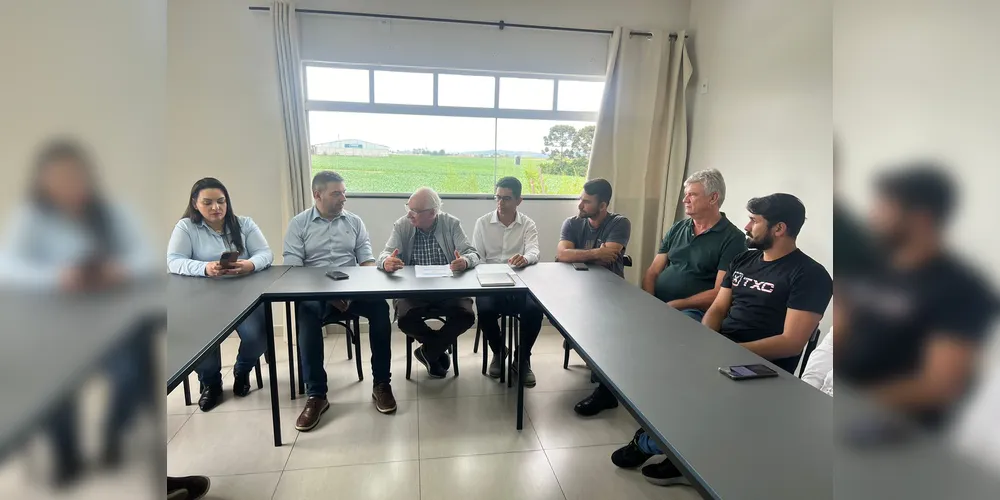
x,y
740,280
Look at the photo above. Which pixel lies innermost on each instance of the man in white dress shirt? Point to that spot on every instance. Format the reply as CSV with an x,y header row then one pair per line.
x,y
507,236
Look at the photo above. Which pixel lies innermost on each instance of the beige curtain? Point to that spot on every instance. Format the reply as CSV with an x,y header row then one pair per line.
x,y
640,145
296,166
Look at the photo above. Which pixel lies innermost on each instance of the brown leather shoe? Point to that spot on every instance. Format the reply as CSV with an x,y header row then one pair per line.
x,y
309,418
384,400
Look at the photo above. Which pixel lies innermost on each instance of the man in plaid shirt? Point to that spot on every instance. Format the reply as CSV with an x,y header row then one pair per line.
x,y
426,236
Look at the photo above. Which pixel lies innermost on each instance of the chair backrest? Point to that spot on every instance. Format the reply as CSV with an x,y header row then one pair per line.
x,y
627,260
810,347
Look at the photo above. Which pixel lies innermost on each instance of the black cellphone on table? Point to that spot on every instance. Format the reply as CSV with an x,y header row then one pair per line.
x,y
580,266
747,372
228,259
337,275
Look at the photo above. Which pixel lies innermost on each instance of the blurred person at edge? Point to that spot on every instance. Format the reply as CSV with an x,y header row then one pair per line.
x,y
68,239
916,324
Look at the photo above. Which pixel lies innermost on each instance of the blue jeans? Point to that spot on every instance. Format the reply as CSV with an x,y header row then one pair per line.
x,y
253,343
310,317
695,314
648,445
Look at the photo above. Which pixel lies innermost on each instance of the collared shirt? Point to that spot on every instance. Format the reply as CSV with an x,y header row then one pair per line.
x,y
39,245
193,245
426,251
818,372
497,243
313,241
694,261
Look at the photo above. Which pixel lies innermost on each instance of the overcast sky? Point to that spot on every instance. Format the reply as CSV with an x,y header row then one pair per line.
x,y
453,134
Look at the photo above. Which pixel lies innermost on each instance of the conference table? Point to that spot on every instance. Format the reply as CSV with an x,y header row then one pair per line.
x,y
730,438
54,343
756,439
201,312
311,283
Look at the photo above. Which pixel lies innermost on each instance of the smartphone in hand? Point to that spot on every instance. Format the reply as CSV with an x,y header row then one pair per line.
x,y
228,259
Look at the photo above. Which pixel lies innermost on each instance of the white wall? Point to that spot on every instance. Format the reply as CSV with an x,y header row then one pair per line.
x,y
765,122
92,71
224,117
920,80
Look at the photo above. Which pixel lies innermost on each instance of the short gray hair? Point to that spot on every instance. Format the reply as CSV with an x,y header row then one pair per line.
x,y
432,196
712,180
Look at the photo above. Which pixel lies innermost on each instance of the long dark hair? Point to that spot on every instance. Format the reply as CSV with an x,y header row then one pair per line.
x,y
230,224
95,217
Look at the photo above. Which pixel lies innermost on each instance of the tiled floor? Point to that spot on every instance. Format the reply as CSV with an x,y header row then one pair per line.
x,y
450,439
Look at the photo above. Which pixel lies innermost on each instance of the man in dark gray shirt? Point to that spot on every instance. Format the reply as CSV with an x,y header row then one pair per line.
x,y
596,237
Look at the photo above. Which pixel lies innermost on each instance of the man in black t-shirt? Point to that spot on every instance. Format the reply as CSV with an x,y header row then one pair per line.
x,y
597,237
771,301
774,295
914,327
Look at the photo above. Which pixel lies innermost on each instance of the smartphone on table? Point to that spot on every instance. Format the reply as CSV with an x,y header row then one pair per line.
x,y
747,372
580,266
337,275
228,259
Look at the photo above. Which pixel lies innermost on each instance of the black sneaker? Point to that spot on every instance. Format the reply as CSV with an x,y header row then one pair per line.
x,y
211,396
630,456
664,474
433,369
241,384
444,361
600,400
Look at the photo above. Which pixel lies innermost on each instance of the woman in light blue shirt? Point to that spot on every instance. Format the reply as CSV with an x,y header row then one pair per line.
x,y
208,229
68,238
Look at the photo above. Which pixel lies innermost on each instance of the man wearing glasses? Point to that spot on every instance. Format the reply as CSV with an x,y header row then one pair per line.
x,y
326,235
507,236
426,236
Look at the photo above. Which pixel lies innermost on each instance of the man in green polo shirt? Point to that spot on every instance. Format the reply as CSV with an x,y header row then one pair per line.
x,y
695,254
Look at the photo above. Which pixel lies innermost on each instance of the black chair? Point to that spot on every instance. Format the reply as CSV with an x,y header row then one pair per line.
x,y
810,347
187,385
352,337
409,348
509,325
567,347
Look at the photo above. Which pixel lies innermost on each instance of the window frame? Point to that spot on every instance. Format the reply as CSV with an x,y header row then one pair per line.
x,y
496,112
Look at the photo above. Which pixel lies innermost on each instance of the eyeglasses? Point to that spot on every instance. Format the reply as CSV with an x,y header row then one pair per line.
x,y
505,199
414,213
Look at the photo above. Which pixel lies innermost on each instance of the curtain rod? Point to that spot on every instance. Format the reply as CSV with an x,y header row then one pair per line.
x,y
499,24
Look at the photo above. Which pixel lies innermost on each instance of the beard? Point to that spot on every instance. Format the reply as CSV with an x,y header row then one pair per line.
x,y
585,215
335,208
763,243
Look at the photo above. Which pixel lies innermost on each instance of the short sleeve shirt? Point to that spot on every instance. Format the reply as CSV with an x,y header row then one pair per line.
x,y
895,314
694,261
616,228
763,291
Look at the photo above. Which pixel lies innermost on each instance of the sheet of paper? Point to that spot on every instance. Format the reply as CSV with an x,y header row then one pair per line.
x,y
494,269
434,271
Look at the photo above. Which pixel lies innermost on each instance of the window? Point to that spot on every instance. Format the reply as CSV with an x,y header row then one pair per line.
x,y
392,130
337,84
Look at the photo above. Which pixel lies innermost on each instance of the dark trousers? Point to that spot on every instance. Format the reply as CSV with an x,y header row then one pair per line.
x,y
253,342
413,315
490,309
129,372
312,315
